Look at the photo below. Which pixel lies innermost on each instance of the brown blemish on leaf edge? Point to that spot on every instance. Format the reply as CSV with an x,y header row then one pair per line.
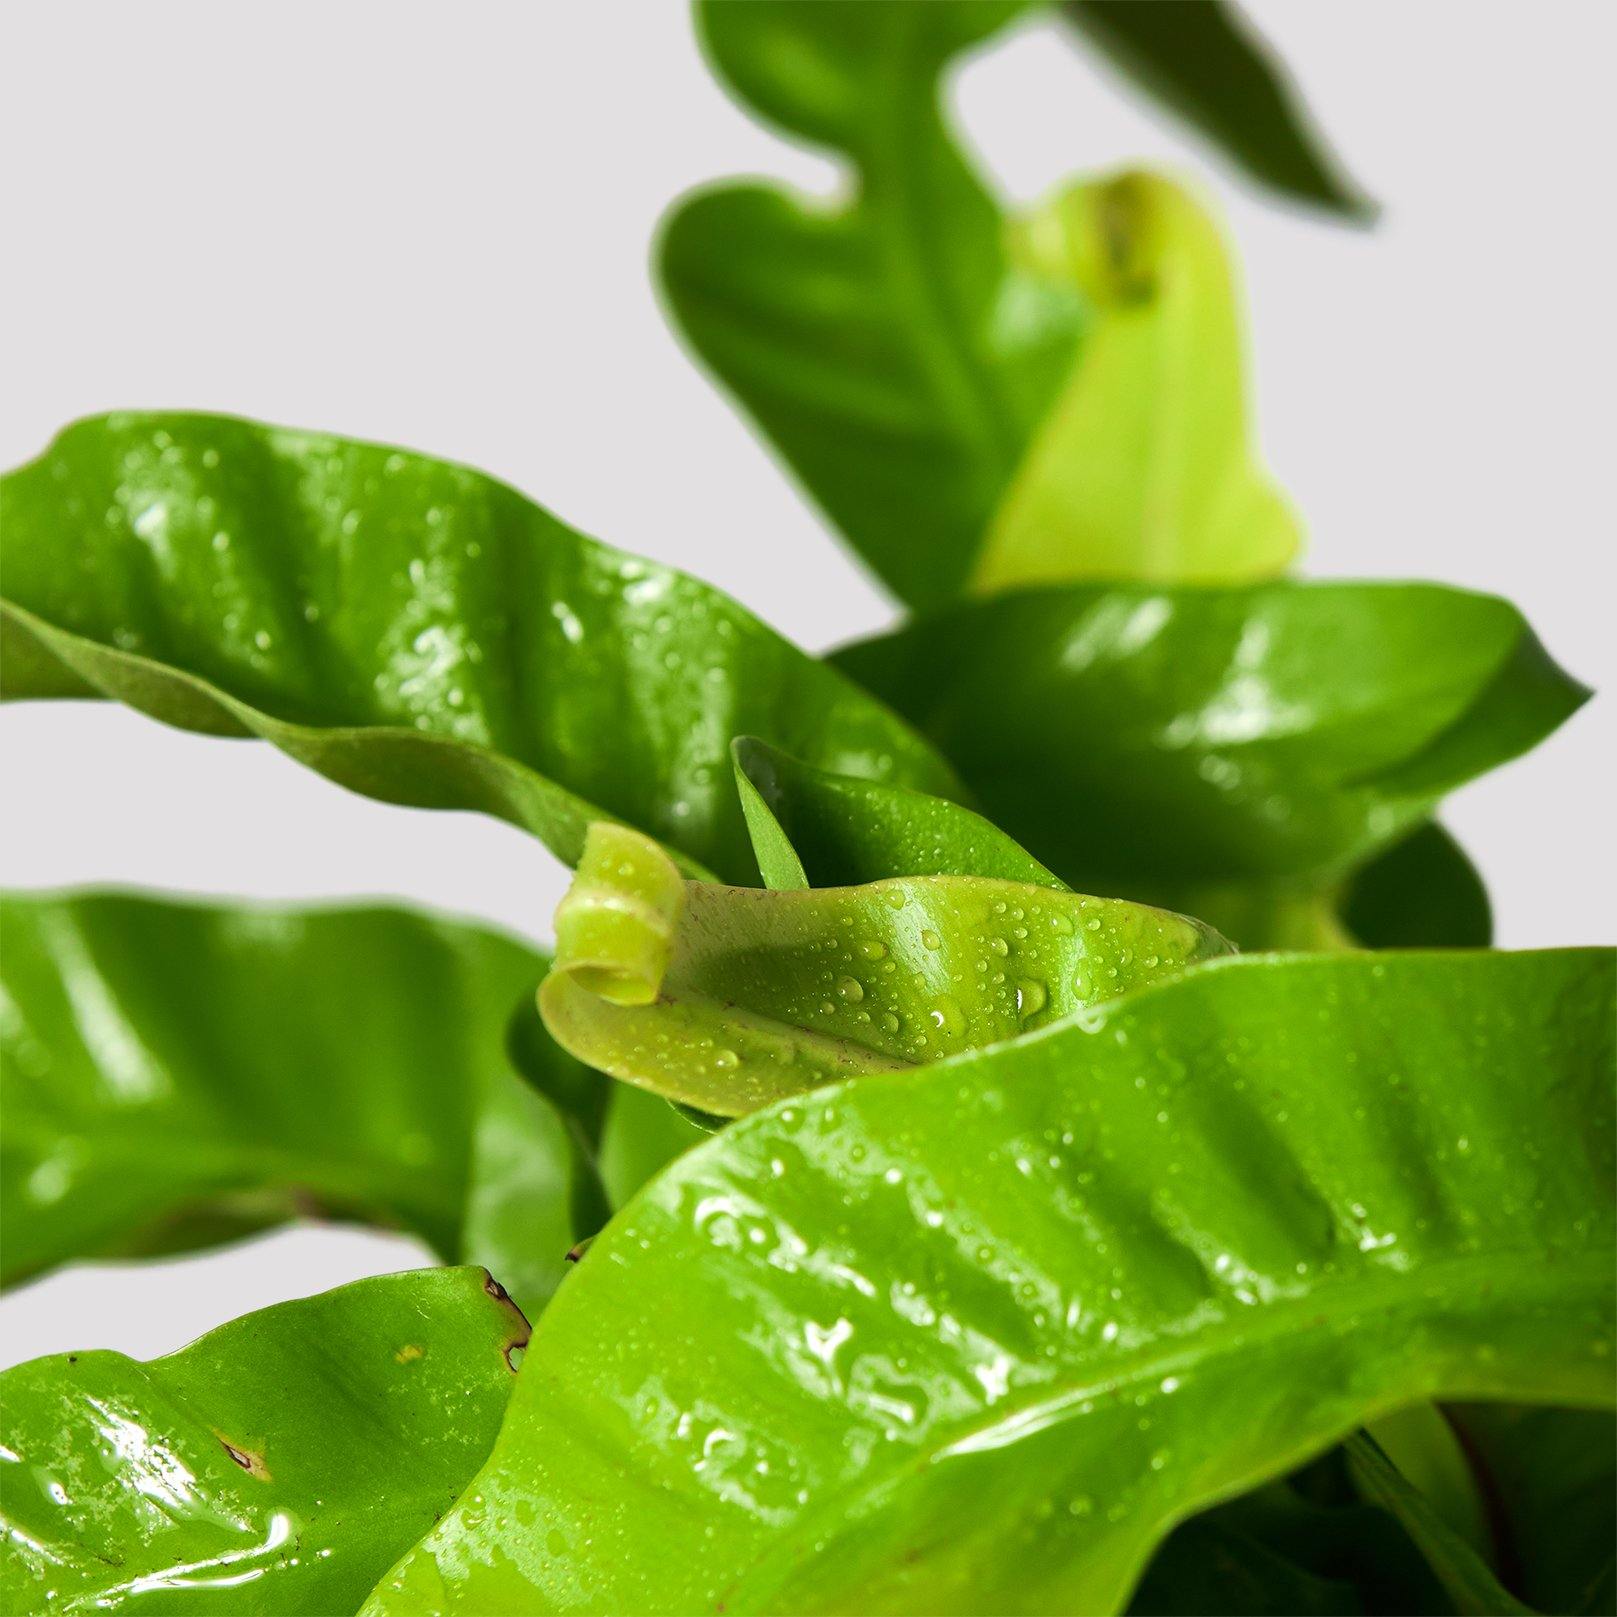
x,y
519,1337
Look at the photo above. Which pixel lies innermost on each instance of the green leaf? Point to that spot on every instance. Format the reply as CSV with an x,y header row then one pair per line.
x,y
414,630
811,827
1422,893
727,998
974,402
885,345
175,1074
1552,1477
1465,1576
974,1337
277,1465
1227,752
1143,466
1204,61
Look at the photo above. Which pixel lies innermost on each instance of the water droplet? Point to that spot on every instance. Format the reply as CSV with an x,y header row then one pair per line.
x,y
1031,997
931,939
850,990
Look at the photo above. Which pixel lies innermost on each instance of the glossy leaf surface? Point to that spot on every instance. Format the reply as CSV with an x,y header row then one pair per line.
x,y
815,828
1160,744
1204,61
727,998
1143,467
173,1074
414,630
974,1337
278,1465
886,346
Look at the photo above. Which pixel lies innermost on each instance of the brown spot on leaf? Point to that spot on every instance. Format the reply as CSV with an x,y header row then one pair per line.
x,y
574,1253
251,1463
409,1353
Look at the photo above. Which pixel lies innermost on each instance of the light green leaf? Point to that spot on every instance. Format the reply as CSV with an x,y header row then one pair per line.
x,y
885,344
1204,61
412,629
844,832
174,1074
727,998
1228,752
277,1465
974,1337
1143,466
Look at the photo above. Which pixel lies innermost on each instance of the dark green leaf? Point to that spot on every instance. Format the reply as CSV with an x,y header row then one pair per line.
x,y
278,1465
1203,60
1552,1477
886,346
173,1074
974,1337
1223,751
414,630
727,998
814,828
1422,893
1466,1577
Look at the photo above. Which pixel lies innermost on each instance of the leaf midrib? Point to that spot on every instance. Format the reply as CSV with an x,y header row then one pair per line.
x,y
1154,1365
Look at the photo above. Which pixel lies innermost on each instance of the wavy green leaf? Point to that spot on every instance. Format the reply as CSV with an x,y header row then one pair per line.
x,y
1204,61
885,345
174,1074
1222,751
727,998
974,1337
412,629
811,827
973,401
1143,466
277,1465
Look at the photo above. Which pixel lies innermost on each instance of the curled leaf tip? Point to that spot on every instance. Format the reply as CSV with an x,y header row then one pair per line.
x,y
615,924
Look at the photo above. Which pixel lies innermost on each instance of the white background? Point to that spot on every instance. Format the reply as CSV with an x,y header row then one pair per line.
x,y
430,225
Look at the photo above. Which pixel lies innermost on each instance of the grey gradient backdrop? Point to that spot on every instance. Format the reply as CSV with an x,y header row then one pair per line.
x,y
430,225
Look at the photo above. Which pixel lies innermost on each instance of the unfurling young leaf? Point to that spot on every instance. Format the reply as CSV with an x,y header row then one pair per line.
x,y
279,1464
727,998
1142,467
